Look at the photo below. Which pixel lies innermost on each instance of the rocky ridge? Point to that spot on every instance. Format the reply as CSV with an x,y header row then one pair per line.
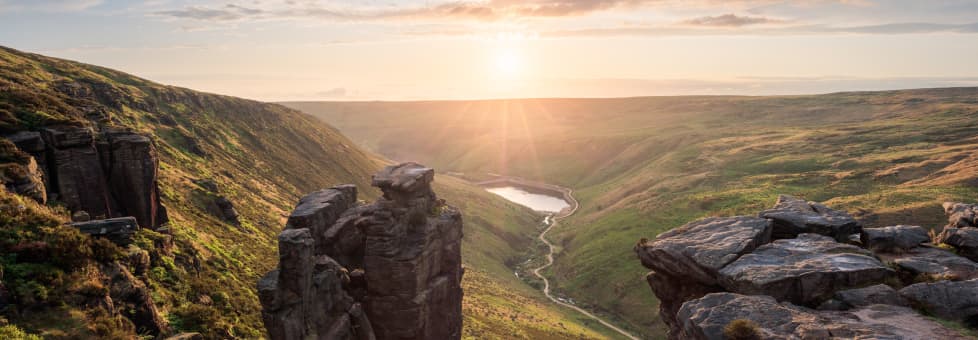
x,y
803,270
387,270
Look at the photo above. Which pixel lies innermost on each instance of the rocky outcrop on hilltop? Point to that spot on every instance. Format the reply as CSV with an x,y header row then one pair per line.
x,y
110,173
803,270
387,270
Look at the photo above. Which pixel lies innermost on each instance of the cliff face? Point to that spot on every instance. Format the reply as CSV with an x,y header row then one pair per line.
x,y
803,270
387,270
111,173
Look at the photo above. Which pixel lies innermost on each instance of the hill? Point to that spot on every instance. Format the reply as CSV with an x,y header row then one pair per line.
x,y
229,172
641,166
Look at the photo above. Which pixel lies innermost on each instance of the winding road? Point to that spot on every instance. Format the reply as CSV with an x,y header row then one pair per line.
x,y
552,219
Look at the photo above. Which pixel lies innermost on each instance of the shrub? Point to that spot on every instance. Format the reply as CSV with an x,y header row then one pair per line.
x,y
12,332
742,329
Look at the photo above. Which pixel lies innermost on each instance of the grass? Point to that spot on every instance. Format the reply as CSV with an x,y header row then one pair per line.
x,y
263,158
641,166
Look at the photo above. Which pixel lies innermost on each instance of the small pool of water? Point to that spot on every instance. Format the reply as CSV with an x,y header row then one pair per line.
x,y
535,201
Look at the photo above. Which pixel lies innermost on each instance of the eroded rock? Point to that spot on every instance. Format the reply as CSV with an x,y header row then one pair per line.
x,y
965,240
873,295
698,250
387,270
894,238
773,285
929,263
706,317
793,216
20,173
803,270
961,215
685,261
118,230
954,300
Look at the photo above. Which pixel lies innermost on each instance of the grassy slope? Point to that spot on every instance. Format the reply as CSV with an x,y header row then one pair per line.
x,y
641,166
263,158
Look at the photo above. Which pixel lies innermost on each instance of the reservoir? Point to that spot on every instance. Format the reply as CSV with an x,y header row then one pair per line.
x,y
533,200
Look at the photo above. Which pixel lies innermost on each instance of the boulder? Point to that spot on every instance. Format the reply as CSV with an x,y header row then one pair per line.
x,y
965,240
118,230
873,295
961,215
893,238
685,261
22,176
387,270
707,317
954,300
793,216
930,263
223,209
698,250
804,270
132,299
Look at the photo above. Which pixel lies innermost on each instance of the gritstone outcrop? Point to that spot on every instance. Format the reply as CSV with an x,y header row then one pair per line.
x,y
387,270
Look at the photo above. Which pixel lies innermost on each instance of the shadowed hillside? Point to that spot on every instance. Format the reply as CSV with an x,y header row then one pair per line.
x,y
229,172
641,166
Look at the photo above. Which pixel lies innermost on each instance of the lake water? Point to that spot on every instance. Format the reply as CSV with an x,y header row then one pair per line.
x,y
535,201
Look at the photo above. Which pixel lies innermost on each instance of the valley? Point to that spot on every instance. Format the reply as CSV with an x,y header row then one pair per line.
x,y
641,166
229,171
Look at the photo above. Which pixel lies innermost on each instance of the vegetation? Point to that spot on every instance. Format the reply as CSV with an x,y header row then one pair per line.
x,y
641,166
741,329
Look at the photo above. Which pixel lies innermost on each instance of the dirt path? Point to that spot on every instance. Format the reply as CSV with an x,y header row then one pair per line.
x,y
553,219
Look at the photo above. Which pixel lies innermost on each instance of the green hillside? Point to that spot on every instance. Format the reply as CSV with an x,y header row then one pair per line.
x,y
640,166
262,158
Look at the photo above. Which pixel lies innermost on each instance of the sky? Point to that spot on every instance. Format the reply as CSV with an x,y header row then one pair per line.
x,y
280,50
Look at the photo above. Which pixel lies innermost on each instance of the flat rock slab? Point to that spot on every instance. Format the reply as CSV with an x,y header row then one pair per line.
x,y
954,300
706,317
932,264
793,216
873,295
697,250
893,238
803,270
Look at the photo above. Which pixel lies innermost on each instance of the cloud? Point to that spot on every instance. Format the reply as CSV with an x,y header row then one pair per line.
x,y
475,10
333,93
47,5
729,20
692,30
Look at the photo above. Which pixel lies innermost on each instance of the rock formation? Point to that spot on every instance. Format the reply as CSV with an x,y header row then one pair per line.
x,y
111,173
793,216
793,273
387,270
20,173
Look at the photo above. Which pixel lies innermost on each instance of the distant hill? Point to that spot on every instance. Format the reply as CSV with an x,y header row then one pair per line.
x,y
640,166
229,171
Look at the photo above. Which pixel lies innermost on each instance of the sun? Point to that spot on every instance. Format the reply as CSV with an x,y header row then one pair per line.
x,y
507,62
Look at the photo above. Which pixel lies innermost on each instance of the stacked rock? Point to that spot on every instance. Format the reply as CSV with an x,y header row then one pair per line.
x,y
387,270
799,270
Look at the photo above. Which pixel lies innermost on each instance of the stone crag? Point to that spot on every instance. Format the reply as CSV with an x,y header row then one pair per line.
x,y
109,173
803,270
387,270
